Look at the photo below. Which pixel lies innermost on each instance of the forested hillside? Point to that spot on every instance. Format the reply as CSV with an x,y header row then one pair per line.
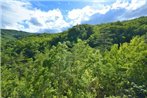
x,y
11,35
85,61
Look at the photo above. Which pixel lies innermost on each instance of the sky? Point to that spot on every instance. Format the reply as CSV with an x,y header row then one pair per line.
x,y
53,16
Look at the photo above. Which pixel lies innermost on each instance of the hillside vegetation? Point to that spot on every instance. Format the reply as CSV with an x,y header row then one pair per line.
x,y
11,35
85,61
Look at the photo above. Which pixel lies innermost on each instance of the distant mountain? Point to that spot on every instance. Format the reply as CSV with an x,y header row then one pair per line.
x,y
95,35
118,32
10,35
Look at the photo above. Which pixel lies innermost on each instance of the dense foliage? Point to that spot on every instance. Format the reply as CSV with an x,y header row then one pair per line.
x,y
86,61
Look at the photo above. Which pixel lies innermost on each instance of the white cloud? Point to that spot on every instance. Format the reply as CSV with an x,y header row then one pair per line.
x,y
76,16
14,12
104,9
120,4
135,4
132,5
17,14
52,19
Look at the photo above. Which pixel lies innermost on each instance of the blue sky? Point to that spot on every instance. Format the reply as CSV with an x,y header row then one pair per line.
x,y
58,15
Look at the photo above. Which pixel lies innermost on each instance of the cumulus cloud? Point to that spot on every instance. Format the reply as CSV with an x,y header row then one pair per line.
x,y
53,19
119,4
34,21
77,16
14,12
20,15
119,10
128,4
136,13
135,4
133,9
